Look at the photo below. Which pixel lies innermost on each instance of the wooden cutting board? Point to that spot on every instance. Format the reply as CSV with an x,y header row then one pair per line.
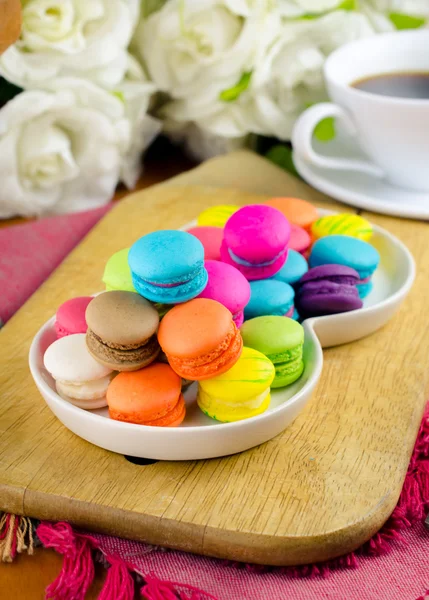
x,y
318,490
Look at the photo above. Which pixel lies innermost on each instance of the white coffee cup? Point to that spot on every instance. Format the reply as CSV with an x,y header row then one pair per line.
x,y
393,132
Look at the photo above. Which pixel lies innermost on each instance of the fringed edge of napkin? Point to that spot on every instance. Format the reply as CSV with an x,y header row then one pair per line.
x,y
80,550
16,536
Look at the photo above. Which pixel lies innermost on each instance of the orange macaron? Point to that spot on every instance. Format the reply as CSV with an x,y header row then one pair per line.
x,y
297,211
151,396
200,339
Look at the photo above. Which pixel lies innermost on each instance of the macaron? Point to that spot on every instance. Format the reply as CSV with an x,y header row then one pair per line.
x,y
211,239
79,378
151,396
342,224
240,393
297,211
350,252
168,266
293,269
281,340
216,216
229,287
117,274
255,241
300,239
200,339
162,358
70,317
122,329
270,297
327,290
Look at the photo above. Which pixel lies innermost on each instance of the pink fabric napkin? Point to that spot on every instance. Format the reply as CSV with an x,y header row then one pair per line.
x,y
30,252
402,574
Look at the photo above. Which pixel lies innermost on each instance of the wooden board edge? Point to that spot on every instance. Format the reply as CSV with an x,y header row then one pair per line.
x,y
208,541
283,551
156,531
12,499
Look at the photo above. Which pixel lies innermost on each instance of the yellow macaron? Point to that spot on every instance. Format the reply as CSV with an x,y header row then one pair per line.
x,y
240,393
342,224
217,216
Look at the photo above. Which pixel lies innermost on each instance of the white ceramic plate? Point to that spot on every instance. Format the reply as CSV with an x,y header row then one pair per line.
x,y
200,437
360,190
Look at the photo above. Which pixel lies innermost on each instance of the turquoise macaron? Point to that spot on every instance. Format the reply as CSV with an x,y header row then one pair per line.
x,y
282,342
168,266
270,297
350,252
294,268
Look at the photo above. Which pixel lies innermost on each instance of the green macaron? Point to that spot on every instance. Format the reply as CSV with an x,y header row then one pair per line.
x,y
117,274
281,339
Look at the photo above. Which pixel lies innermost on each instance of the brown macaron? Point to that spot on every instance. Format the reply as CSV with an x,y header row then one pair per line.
x,y
122,328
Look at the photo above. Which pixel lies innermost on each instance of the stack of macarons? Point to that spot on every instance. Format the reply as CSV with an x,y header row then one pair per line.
x,y
218,304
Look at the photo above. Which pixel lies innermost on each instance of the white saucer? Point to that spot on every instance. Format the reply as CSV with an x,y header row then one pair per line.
x,y
360,190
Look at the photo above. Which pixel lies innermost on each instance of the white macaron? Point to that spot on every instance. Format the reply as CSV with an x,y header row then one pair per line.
x,y
79,378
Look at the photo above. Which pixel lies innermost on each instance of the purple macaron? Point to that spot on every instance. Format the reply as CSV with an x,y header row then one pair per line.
x,y
327,290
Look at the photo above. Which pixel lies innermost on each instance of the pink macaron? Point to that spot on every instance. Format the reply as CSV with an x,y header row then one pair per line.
x,y
255,241
211,239
300,239
70,317
229,287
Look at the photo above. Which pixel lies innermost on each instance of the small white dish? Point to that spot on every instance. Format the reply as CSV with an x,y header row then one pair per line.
x,y
200,437
358,189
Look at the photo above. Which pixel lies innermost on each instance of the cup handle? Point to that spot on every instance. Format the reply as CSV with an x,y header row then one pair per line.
x,y
302,137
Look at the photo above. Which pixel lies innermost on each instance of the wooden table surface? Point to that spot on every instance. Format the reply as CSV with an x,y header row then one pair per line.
x,y
38,571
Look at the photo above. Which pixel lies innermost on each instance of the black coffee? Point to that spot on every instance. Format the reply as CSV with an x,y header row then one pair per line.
x,y
399,85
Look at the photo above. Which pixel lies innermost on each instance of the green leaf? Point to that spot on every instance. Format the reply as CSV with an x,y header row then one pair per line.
x,y
345,5
150,6
325,130
119,95
235,92
281,156
7,91
349,5
401,21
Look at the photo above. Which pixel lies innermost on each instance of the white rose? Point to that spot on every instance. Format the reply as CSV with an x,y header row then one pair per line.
x,y
226,119
201,144
199,48
290,78
63,150
136,92
388,15
405,7
78,38
286,80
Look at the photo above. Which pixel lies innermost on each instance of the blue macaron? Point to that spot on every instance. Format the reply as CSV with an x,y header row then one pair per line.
x,y
270,297
168,266
294,268
348,251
